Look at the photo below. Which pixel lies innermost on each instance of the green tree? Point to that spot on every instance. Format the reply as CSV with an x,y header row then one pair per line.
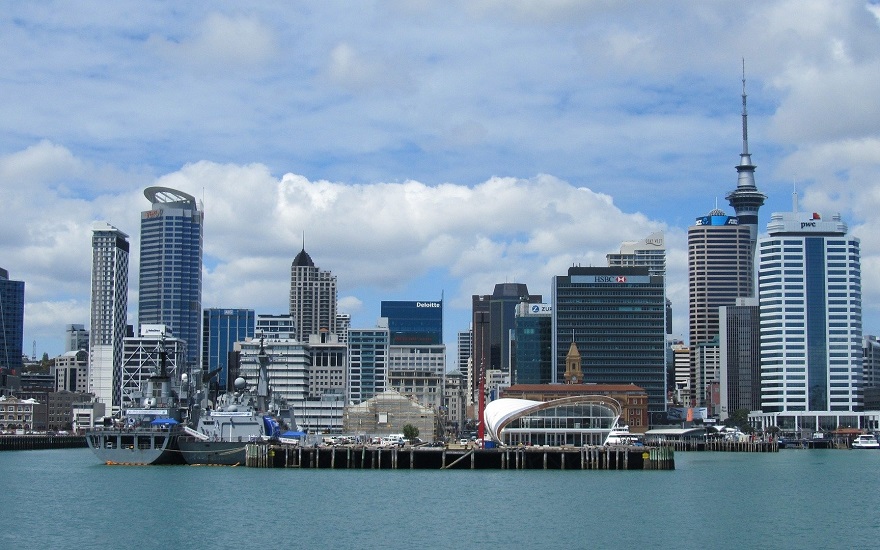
x,y
740,419
410,432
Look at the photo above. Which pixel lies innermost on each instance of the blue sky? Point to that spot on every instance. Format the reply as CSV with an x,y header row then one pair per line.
x,y
421,147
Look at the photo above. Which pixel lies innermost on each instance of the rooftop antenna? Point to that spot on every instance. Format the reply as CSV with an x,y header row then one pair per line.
x,y
745,115
794,197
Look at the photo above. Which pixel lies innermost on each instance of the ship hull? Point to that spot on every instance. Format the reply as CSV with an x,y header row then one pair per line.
x,y
214,453
135,447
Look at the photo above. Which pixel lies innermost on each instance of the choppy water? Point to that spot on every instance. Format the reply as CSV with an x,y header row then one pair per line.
x,y
790,499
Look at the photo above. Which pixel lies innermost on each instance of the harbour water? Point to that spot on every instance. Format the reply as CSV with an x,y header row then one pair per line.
x,y
790,499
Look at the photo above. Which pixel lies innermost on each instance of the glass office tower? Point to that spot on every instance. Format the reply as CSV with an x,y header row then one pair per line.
x,y
170,289
221,329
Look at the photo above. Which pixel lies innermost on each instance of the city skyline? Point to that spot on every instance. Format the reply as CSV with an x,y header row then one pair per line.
x,y
504,144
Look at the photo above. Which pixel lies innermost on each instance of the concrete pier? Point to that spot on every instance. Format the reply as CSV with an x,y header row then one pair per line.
x,y
261,455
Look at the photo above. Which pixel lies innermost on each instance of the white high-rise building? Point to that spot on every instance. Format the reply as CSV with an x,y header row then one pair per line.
x,y
810,291
367,362
109,309
649,252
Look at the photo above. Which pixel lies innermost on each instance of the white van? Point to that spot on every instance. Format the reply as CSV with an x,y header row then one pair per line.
x,y
392,440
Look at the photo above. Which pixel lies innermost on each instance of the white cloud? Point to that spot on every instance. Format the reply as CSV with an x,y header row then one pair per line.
x,y
221,42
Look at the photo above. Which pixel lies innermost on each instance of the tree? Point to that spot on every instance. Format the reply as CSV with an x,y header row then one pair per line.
x,y
410,432
740,419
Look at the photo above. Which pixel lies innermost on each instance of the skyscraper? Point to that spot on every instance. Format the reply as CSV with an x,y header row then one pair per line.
x,y
810,290
494,318
721,256
312,298
740,361
109,313
616,317
720,270
367,363
76,337
170,289
649,252
11,330
414,322
533,344
221,329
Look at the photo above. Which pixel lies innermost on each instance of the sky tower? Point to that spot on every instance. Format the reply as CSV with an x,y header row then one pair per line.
x,y
746,199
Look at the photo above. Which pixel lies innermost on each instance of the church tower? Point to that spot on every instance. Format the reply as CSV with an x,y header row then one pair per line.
x,y
573,372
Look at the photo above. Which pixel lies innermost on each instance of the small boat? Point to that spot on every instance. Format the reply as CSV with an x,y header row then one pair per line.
x,y
622,436
865,441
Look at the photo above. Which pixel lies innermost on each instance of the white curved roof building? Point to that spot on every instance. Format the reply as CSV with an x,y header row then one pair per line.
x,y
577,420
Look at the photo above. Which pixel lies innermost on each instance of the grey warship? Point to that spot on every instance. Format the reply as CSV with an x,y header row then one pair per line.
x,y
243,416
147,432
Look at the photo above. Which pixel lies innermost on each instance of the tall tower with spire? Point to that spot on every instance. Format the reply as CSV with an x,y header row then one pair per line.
x,y
746,199
312,298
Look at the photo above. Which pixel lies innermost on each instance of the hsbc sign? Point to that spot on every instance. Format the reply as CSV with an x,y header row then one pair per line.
x,y
609,279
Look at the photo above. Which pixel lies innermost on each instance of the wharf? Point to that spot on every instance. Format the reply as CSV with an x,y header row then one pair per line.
x,y
31,442
723,446
260,455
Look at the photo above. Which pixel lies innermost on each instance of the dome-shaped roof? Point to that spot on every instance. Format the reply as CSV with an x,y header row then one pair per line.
x,y
303,259
717,212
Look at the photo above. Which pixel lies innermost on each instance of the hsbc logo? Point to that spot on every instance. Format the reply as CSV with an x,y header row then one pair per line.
x,y
609,279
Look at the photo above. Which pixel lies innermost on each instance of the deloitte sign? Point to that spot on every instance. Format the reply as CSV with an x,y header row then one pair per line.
x,y
427,304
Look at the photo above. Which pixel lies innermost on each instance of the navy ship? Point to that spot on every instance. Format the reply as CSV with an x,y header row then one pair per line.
x,y
146,432
247,415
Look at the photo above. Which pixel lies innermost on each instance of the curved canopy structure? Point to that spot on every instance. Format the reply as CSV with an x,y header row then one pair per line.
x,y
577,420
167,195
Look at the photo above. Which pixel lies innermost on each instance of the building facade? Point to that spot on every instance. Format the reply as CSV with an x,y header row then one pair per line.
x,y
72,371
740,359
616,316
720,270
418,372
367,363
11,331
108,313
809,281
76,337
221,329
414,323
493,321
312,298
170,284
465,365
533,344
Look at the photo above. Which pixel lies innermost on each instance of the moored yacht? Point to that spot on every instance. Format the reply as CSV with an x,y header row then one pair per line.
x,y
865,441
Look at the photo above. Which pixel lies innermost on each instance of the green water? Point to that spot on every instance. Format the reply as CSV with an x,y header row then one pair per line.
x,y
790,499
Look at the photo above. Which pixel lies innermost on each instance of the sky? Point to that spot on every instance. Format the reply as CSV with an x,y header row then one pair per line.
x,y
422,149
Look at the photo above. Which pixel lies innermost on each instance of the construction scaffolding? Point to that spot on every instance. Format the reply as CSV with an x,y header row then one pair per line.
x,y
387,413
